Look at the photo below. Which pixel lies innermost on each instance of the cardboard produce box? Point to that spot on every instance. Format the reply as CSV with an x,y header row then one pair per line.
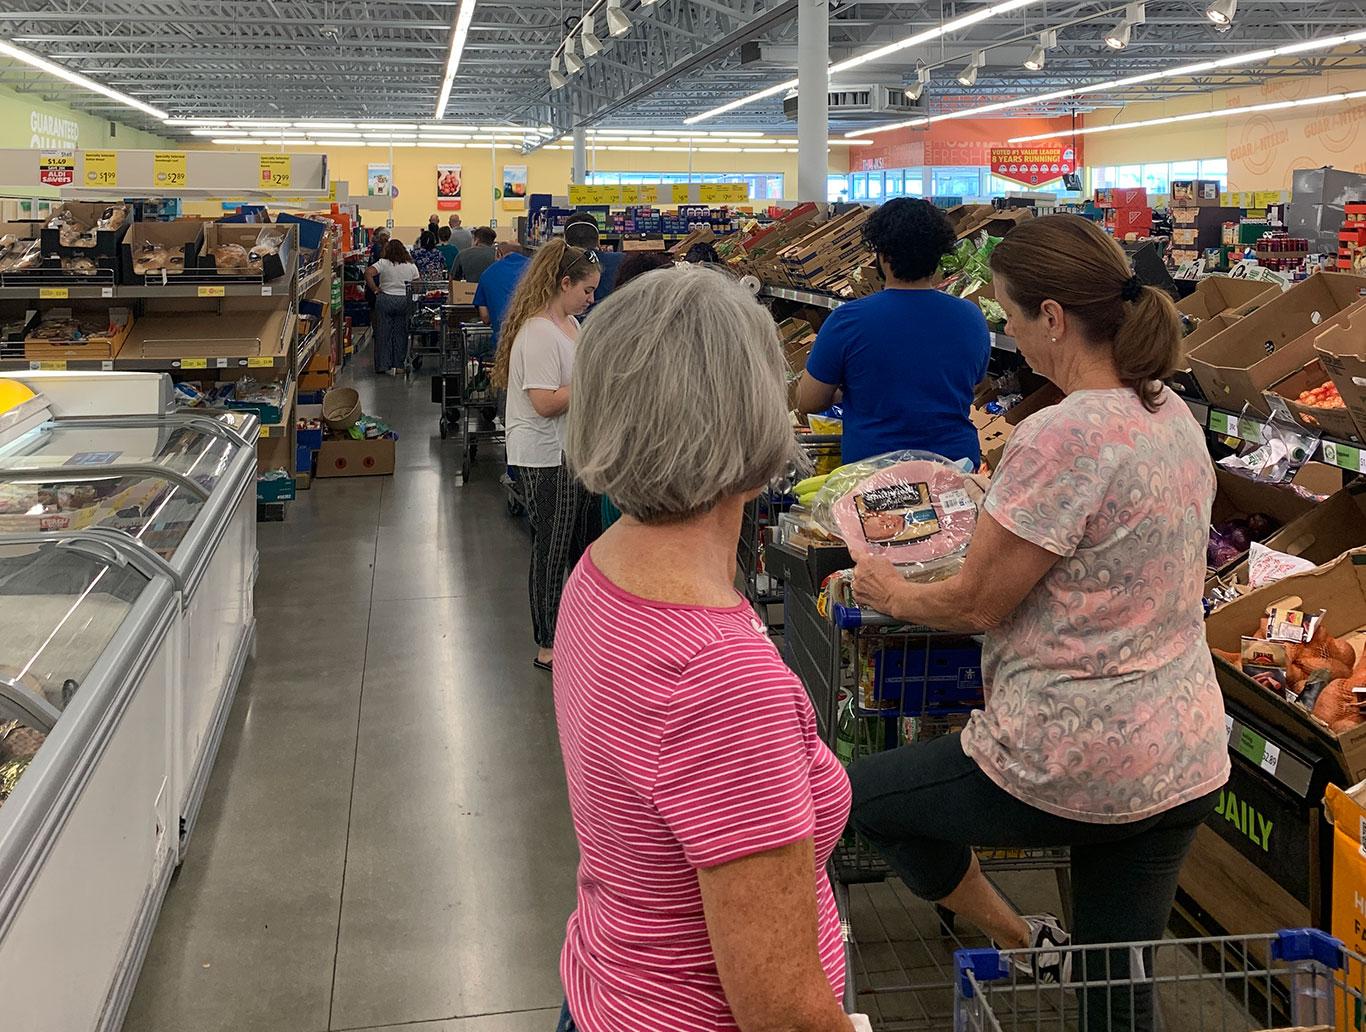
x,y
1319,535
1340,590
462,293
995,436
1282,400
1195,193
344,457
99,243
1275,335
1215,295
1341,347
1240,496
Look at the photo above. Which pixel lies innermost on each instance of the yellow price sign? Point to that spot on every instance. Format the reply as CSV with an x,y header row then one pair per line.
x,y
649,194
194,363
258,363
275,171
53,293
168,168
630,195
723,193
594,195
332,190
101,168
265,432
52,365
680,193
213,291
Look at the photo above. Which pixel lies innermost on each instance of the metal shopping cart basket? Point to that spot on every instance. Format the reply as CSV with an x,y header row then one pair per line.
x,y
461,386
1246,983
761,587
425,301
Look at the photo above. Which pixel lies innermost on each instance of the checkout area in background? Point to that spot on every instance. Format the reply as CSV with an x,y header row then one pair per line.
x,y
128,559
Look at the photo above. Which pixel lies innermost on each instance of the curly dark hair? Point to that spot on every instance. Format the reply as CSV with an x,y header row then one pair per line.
x,y
911,234
638,263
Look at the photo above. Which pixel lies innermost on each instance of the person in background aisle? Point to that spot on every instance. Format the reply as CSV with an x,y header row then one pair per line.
x,y
534,363
704,801
378,240
581,230
448,250
497,285
702,253
431,263
433,224
1103,728
472,262
638,263
460,236
907,358
389,278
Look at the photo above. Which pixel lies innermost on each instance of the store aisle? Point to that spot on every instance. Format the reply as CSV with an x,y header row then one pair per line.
x,y
385,843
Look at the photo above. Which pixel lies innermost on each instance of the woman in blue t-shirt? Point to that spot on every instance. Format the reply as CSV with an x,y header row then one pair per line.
x,y
907,358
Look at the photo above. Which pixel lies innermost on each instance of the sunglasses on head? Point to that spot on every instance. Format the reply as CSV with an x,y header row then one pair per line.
x,y
570,261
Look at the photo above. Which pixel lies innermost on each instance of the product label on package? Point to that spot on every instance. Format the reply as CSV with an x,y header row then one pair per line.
x,y
955,501
897,513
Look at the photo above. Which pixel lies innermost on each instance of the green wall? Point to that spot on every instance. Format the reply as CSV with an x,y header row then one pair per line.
x,y
26,120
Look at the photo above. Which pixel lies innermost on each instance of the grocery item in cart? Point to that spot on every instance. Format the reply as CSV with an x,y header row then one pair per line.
x,y
912,507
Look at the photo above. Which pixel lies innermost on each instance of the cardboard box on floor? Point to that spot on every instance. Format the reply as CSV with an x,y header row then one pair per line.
x,y
1340,590
1320,534
1274,335
344,457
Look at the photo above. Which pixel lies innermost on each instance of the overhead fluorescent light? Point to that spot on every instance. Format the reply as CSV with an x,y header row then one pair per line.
x,y
1180,71
219,132
458,36
325,125
196,121
592,46
1331,98
257,123
341,143
618,24
332,134
1221,12
43,64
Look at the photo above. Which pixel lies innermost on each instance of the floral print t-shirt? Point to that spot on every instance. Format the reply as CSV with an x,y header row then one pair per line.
x,y
1101,700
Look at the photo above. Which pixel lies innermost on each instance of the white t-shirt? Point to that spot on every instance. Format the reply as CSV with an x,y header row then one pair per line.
x,y
393,278
542,359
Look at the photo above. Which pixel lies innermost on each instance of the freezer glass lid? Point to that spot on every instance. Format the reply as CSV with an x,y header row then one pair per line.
x,y
60,607
184,449
155,506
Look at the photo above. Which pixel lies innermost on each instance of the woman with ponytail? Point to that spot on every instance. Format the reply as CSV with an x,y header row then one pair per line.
x,y
534,364
1103,728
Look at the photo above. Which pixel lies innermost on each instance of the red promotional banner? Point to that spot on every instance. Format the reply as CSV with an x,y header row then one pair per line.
x,y
1033,164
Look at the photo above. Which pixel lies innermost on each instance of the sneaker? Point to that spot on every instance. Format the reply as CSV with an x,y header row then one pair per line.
x,y
1049,961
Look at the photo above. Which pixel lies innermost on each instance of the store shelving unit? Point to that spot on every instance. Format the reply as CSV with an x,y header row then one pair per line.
x,y
1237,427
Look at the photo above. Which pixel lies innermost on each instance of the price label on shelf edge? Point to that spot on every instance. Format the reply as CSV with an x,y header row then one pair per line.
x,y
258,363
101,168
194,363
53,293
56,167
1223,423
168,169
213,291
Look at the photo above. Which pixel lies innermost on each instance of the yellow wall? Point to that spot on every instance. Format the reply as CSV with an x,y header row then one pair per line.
x,y
1262,148
414,175
20,128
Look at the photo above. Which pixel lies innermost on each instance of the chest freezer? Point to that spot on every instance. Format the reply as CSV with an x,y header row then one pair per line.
x,y
87,826
177,490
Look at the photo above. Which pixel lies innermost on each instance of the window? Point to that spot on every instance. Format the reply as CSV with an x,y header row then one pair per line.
x,y
874,186
1215,168
893,181
1155,178
1130,175
1185,170
860,184
964,182
836,188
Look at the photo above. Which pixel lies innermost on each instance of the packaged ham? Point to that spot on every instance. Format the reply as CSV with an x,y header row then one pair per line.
x,y
915,508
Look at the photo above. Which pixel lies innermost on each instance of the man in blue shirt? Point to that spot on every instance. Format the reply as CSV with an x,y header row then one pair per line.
x,y
496,286
582,231
907,358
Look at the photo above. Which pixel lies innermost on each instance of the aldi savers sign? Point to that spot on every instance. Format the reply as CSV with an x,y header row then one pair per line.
x,y
1034,164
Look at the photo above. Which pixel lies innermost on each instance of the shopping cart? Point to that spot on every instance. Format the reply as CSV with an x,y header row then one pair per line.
x,y
461,385
425,301
1245,983
761,588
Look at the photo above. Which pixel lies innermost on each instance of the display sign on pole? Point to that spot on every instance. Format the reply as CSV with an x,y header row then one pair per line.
x,y
101,168
275,171
168,168
1033,164
56,167
514,187
448,184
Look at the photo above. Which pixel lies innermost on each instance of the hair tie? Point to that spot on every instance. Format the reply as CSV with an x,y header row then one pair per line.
x,y
1132,289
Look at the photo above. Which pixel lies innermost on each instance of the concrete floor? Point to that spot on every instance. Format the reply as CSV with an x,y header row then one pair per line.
x,y
385,842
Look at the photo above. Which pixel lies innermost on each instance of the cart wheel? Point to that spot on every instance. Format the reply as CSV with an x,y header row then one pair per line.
x,y
474,452
417,363
946,920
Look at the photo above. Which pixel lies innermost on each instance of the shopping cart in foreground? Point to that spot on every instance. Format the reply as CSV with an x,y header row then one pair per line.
x,y
425,300
1303,979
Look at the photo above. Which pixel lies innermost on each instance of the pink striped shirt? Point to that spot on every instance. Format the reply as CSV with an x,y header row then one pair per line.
x,y
687,743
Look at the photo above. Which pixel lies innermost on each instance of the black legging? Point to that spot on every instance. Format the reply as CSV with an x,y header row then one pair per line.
x,y
924,805
564,522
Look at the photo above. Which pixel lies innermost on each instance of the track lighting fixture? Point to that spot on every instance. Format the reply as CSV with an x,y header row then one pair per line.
x,y
1035,61
1118,37
572,64
557,80
592,46
618,24
968,75
1221,12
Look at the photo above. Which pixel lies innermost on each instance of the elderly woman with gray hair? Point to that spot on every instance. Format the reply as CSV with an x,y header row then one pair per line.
x,y
704,802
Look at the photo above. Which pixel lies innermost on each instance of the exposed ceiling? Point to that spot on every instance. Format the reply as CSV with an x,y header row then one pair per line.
x,y
384,59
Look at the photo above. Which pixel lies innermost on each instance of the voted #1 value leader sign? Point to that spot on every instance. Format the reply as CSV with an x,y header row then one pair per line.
x,y
1033,165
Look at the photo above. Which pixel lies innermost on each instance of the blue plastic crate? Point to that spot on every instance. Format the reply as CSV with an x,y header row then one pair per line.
x,y
953,684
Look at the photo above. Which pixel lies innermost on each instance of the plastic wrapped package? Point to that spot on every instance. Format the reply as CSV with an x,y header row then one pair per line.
x,y
912,507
